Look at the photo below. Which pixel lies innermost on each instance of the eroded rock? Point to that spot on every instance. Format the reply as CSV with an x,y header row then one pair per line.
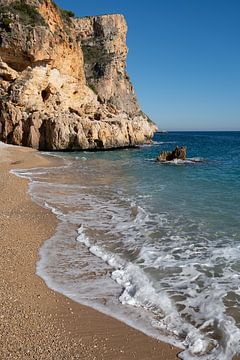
x,y
64,82
177,153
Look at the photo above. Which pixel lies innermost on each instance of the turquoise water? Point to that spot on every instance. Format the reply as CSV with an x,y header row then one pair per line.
x,y
156,245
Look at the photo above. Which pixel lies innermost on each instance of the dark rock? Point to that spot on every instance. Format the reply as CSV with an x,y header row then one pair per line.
x,y
178,153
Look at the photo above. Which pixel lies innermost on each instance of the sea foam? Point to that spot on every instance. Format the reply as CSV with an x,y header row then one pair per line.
x,y
157,246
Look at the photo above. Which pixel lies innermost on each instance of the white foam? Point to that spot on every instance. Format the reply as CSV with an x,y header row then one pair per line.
x,y
183,260
209,302
188,161
54,210
138,291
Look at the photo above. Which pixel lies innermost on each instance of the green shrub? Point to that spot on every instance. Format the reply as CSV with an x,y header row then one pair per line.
x,y
96,60
93,88
28,15
67,15
5,23
55,5
94,53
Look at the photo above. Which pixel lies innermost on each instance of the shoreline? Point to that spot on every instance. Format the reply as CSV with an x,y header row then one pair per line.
x,y
37,322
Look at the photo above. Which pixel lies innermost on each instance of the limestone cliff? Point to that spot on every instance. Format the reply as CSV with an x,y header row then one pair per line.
x,y
63,81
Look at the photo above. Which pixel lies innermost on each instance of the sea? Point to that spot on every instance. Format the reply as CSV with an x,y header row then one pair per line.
x,y
156,245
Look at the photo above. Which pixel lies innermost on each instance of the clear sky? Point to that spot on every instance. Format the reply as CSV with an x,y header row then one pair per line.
x,y
184,58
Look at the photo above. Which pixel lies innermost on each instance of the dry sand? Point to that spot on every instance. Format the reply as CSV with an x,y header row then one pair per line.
x,y
35,322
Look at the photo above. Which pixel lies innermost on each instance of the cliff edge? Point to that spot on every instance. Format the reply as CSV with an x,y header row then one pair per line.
x,y
63,80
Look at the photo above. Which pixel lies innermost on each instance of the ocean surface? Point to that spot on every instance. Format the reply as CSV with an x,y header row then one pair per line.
x,y
155,245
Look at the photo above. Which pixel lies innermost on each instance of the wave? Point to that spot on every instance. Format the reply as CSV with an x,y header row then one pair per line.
x,y
163,277
188,161
154,143
138,291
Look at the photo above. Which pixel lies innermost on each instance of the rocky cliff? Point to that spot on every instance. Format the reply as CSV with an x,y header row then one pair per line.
x,y
63,81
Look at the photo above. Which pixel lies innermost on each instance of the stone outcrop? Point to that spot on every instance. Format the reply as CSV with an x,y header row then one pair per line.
x,y
103,40
177,153
63,80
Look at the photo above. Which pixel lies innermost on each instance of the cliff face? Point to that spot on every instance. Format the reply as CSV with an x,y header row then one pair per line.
x,y
103,40
63,82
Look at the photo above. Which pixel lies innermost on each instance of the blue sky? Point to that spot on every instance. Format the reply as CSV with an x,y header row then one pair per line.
x,y
184,58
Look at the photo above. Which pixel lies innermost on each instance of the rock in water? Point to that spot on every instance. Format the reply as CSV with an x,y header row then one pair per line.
x,y
178,153
63,80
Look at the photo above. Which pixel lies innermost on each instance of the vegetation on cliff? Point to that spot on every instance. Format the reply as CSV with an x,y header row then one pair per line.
x,y
96,59
27,14
66,15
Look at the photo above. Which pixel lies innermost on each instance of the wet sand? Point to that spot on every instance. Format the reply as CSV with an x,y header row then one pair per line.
x,y
37,323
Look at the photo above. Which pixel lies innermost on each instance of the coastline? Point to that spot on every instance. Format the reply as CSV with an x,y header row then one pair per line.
x,y
36,322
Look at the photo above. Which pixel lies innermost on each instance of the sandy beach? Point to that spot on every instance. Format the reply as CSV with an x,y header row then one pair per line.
x,y
37,323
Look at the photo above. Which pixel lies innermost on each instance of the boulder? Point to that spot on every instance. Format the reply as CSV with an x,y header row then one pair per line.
x,y
177,153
